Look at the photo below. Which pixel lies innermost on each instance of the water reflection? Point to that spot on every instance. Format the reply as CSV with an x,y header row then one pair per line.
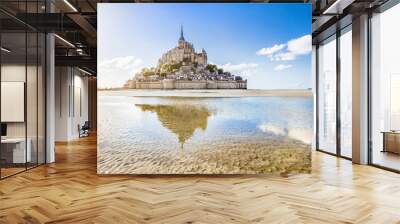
x,y
145,135
301,134
181,119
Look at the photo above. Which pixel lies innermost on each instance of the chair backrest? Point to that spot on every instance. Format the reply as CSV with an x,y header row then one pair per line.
x,y
86,125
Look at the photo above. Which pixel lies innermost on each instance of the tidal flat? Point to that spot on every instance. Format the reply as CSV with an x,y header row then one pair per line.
x,y
197,132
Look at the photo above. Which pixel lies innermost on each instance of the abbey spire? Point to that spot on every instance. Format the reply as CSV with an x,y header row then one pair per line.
x,y
181,38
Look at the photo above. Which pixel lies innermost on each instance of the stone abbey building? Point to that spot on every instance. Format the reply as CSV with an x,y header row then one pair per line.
x,y
184,52
183,68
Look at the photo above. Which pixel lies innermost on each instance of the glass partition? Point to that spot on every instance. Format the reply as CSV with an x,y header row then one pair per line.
x,y
13,94
22,77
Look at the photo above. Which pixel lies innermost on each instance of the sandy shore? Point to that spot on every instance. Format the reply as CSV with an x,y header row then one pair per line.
x,y
243,158
208,93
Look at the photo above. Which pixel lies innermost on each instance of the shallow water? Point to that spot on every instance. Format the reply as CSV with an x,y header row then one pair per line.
x,y
163,128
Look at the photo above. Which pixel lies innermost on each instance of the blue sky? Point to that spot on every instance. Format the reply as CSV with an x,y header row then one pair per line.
x,y
269,44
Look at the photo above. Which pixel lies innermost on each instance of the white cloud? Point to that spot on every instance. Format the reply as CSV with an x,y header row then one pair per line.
x,y
115,72
282,67
288,51
270,51
300,46
124,63
271,128
284,56
301,134
238,67
244,69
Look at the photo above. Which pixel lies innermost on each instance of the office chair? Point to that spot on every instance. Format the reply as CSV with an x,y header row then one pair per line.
x,y
84,130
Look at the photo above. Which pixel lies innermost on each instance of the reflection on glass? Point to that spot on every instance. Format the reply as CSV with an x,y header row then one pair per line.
x,y
327,96
182,120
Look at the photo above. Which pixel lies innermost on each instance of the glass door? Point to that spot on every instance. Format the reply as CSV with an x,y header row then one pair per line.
x,y
327,95
346,92
385,90
14,155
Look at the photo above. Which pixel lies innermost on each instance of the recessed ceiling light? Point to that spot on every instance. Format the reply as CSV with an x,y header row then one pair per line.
x,y
337,7
84,71
64,40
70,5
5,50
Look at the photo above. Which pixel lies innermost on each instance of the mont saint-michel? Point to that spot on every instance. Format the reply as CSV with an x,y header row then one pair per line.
x,y
183,68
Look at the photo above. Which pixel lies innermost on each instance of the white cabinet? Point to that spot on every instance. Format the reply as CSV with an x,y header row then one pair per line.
x,y
19,155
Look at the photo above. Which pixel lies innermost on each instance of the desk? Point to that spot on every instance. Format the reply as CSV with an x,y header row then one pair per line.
x,y
391,141
18,149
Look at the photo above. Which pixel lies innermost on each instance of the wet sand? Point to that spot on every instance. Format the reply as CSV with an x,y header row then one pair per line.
x,y
288,157
204,132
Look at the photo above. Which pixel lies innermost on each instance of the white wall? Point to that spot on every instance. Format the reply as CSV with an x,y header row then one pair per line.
x,y
12,73
71,102
13,101
80,104
17,73
62,82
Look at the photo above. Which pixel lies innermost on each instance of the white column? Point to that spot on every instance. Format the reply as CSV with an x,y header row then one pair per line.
x,y
50,99
63,101
360,90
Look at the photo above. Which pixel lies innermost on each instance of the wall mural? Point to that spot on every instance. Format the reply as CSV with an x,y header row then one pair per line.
x,y
241,104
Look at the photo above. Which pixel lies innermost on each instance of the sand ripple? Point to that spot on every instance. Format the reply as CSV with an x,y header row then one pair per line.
x,y
235,158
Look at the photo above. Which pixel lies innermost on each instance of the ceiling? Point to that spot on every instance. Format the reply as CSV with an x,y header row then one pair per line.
x,y
75,22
